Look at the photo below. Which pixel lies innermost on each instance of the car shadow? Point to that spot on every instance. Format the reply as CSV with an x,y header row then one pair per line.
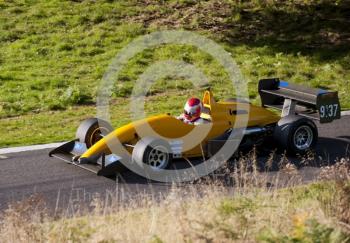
x,y
345,137
327,152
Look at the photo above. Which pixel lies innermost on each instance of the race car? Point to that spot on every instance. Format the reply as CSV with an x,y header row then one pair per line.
x,y
100,149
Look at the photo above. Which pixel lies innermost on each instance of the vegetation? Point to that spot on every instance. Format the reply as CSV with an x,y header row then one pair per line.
x,y
54,53
316,212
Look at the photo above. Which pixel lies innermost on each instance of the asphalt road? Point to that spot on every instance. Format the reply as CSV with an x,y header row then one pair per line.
x,y
64,186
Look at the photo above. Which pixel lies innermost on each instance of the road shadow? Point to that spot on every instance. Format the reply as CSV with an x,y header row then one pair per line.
x,y
266,159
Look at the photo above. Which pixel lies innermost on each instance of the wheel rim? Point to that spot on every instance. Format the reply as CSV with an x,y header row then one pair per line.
x,y
158,157
303,137
97,135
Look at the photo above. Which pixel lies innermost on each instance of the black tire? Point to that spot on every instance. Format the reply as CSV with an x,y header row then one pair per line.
x,y
92,130
237,100
296,134
154,152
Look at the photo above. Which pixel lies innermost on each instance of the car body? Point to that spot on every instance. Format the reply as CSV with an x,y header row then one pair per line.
x,y
299,107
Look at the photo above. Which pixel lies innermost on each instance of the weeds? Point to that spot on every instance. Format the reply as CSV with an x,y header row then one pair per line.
x,y
338,204
342,210
22,220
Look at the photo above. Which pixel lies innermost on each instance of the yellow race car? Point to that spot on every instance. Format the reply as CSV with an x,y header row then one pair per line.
x,y
158,140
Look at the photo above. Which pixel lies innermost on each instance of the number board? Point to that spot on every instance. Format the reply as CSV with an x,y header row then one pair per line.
x,y
328,107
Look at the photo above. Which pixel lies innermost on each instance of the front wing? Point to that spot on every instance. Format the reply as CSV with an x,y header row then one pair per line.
x,y
102,164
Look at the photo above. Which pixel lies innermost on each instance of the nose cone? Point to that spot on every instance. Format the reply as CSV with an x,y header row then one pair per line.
x,y
112,142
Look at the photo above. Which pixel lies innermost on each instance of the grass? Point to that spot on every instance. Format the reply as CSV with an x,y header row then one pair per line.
x,y
317,212
46,127
53,53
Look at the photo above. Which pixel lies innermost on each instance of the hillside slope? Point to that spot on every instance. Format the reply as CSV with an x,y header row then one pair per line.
x,y
54,53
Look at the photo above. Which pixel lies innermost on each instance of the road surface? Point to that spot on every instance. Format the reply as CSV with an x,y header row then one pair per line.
x,y
63,186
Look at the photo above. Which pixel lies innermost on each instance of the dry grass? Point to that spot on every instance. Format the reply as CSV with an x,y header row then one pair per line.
x,y
249,211
340,208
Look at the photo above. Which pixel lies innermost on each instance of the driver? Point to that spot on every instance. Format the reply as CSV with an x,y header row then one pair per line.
x,y
192,112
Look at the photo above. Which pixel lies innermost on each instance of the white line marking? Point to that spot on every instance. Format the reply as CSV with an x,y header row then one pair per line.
x,y
345,113
29,148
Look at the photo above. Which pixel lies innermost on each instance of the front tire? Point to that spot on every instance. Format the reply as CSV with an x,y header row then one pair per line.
x,y
91,130
296,134
154,152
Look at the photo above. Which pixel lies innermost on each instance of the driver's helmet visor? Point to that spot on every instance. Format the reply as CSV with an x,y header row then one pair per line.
x,y
192,114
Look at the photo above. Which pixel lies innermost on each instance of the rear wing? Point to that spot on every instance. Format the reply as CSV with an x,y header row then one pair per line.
x,y
317,104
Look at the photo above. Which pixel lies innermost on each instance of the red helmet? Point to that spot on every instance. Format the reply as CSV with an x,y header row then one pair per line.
x,y
193,109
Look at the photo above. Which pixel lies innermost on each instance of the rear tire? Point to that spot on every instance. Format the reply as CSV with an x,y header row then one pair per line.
x,y
296,134
154,152
91,130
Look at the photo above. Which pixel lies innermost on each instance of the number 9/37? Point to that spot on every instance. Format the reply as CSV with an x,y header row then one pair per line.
x,y
328,111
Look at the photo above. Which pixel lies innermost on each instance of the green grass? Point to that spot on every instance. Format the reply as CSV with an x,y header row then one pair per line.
x,y
54,53
49,126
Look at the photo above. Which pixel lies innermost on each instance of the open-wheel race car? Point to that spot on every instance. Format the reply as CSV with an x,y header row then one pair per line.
x,y
293,130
